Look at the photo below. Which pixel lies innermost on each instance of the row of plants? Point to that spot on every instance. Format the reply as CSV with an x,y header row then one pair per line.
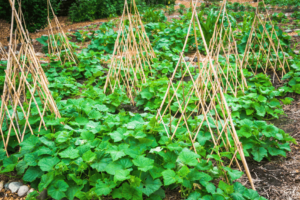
x,y
289,4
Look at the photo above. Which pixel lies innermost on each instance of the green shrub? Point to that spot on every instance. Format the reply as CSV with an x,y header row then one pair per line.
x,y
34,11
278,17
296,15
94,9
82,10
153,16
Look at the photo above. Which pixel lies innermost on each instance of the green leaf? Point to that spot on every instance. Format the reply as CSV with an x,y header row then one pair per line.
x,y
82,195
21,167
123,163
196,175
239,187
234,174
169,176
121,175
73,189
76,179
204,165
63,136
127,192
46,180
143,164
146,94
211,188
285,146
228,189
156,171
245,131
287,100
32,173
32,195
45,151
89,156
237,196
174,146
249,111
262,99
274,103
202,137
273,151
194,196
48,163
104,188
101,163
95,115
259,153
214,156
184,171
58,189
31,158
12,160
2,154
169,158
260,109
135,181
188,157
47,142
8,168
87,135
69,153
132,125
82,121
30,143
150,186
251,194
117,152
269,130
116,136
52,122
102,108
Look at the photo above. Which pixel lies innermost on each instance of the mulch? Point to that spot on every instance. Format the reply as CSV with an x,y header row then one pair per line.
x,y
6,194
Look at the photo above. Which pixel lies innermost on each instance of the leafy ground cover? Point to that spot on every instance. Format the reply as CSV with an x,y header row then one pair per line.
x,y
104,147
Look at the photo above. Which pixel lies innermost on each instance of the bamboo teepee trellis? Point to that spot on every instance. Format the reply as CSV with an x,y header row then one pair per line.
x,y
263,39
132,55
197,108
3,53
223,49
25,91
58,42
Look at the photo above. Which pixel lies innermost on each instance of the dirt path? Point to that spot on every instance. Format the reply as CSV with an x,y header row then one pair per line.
x,y
65,23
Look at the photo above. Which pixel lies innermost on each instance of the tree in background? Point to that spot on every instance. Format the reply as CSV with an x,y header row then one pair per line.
x,y
34,11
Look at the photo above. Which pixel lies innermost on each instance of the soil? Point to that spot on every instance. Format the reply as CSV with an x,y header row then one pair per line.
x,y
66,26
